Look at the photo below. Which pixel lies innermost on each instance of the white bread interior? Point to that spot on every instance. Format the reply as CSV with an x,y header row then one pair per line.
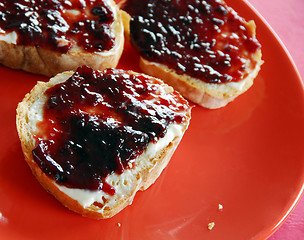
x,y
208,95
144,173
42,61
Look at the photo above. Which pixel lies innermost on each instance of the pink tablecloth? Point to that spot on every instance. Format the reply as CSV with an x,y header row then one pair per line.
x,y
286,17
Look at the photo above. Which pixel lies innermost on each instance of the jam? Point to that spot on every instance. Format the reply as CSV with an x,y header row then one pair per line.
x,y
97,123
58,24
206,39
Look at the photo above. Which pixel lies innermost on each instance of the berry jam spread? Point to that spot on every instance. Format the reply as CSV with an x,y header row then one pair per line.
x,y
55,24
204,39
96,123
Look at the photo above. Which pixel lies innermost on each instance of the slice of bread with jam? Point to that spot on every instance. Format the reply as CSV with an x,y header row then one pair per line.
x,y
94,138
204,49
49,37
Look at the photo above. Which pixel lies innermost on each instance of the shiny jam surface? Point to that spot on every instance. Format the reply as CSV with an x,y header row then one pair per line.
x,y
202,38
56,24
96,123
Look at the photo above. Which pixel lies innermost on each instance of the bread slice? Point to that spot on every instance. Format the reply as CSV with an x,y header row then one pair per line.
x,y
207,94
47,61
141,173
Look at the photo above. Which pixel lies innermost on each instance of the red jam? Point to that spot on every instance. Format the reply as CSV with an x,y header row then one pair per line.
x,y
55,24
204,39
96,123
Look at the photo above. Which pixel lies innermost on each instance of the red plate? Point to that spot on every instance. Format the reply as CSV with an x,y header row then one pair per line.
x,y
248,157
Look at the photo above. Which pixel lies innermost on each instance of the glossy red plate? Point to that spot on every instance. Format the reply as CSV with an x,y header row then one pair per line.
x,y
248,157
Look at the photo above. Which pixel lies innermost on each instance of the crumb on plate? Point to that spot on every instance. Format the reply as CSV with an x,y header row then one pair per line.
x,y
211,225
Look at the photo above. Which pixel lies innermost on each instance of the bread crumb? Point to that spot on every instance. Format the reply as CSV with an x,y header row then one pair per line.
x,y
211,225
2,218
119,224
220,207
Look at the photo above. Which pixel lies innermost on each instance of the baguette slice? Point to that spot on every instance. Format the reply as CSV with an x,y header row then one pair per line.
x,y
141,172
207,94
48,61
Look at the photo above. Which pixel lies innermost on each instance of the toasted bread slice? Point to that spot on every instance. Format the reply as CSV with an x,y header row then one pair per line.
x,y
39,51
117,188
204,90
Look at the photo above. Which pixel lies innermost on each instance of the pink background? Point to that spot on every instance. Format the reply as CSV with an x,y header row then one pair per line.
x,y
286,17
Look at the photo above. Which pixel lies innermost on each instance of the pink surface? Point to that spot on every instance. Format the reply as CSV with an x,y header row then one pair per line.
x,y
287,20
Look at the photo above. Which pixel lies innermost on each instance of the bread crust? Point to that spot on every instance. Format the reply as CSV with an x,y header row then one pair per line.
x,y
208,95
42,61
144,178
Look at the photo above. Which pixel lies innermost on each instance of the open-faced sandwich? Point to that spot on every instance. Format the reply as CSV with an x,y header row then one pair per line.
x,y
49,37
94,138
204,49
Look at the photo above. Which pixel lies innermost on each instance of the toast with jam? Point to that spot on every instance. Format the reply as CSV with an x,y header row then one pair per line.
x,y
204,49
94,138
49,37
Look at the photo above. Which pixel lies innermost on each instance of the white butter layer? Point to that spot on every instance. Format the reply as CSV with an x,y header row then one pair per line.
x,y
10,38
35,113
